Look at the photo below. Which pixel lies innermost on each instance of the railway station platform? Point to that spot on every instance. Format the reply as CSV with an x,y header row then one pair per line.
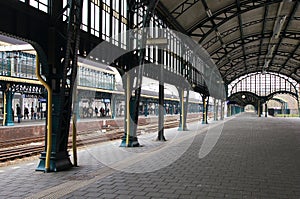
x,y
253,158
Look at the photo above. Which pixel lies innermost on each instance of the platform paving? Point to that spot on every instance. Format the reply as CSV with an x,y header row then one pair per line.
x,y
253,158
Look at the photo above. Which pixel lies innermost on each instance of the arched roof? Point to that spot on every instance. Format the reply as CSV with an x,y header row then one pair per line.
x,y
242,36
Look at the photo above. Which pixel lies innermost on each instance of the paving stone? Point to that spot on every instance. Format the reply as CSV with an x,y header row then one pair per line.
x,y
253,158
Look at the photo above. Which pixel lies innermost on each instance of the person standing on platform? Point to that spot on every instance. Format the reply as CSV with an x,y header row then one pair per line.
x,y
26,113
38,112
32,112
13,114
102,111
35,112
19,113
96,111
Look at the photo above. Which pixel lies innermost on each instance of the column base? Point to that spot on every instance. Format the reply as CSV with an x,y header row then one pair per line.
x,y
161,138
204,122
9,124
132,142
182,129
58,162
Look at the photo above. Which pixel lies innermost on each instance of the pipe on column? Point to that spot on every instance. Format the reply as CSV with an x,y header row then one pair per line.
x,y
127,108
49,115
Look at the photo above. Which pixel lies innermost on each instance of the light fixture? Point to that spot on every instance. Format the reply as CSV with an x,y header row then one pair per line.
x,y
209,13
243,96
278,27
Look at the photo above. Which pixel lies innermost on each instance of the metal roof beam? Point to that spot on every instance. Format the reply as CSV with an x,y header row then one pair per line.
x,y
262,33
230,13
241,31
284,31
169,19
184,6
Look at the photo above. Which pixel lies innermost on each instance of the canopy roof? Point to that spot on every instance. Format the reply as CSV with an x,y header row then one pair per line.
x,y
242,36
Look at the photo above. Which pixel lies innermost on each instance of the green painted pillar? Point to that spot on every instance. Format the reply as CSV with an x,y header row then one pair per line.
x,y
232,110
9,119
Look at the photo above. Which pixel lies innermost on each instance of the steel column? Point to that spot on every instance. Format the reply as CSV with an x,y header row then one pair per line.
x,y
258,108
146,108
161,103
183,110
60,76
228,110
113,106
266,110
130,138
205,109
222,110
9,113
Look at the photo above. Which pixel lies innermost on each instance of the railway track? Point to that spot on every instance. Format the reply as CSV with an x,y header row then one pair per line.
x,y
26,147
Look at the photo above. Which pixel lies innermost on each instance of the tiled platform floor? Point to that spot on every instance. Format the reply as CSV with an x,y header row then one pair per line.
x,y
253,158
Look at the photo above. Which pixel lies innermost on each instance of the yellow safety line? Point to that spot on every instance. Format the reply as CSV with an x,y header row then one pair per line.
x,y
18,79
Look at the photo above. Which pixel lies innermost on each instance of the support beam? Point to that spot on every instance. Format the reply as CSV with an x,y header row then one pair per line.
x,y
60,76
161,96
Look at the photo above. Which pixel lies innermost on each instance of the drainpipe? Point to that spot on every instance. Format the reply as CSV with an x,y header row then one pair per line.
x,y
49,115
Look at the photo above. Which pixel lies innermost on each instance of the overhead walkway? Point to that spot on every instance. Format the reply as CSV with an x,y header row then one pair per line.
x,y
253,158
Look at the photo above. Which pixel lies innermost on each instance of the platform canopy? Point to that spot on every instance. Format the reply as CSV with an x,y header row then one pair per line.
x,y
242,36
